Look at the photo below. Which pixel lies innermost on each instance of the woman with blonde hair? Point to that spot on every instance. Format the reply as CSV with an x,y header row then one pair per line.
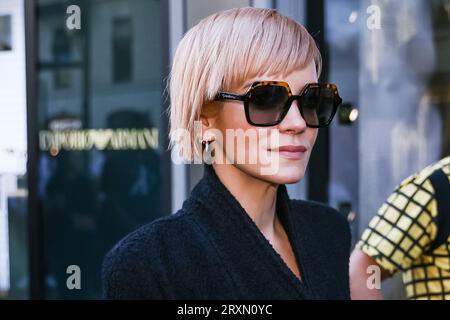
x,y
245,102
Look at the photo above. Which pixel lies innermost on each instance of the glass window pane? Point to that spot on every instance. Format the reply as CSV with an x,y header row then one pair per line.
x,y
102,156
390,60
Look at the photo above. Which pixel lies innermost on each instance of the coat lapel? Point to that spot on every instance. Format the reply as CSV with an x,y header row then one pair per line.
x,y
246,253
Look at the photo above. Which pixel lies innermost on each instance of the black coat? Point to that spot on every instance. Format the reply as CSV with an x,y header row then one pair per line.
x,y
211,249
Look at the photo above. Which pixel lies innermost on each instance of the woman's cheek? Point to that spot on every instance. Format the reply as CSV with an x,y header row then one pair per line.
x,y
314,134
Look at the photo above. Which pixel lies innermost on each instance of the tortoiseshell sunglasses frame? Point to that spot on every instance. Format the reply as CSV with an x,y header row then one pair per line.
x,y
291,97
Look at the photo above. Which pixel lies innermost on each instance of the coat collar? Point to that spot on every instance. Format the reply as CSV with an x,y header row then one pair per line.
x,y
243,248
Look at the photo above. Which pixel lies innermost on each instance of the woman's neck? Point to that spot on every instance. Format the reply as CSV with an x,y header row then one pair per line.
x,y
257,197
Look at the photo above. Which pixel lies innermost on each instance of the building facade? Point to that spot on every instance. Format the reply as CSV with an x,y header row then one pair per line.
x,y
89,116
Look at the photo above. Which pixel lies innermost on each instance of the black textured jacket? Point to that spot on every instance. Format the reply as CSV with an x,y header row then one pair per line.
x,y
211,249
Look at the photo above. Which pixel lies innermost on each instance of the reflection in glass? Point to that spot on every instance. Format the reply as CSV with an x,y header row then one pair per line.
x,y
398,75
100,94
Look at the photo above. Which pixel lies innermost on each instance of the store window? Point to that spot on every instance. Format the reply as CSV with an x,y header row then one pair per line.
x,y
103,167
390,60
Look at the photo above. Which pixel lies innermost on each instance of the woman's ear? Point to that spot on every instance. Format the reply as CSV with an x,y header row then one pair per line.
x,y
209,115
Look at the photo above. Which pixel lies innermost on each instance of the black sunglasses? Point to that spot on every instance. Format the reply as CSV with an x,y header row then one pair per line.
x,y
266,103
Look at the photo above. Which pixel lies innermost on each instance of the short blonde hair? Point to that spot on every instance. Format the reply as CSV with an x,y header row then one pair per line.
x,y
223,51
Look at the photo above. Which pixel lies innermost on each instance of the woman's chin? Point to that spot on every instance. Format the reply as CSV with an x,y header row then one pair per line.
x,y
289,176
286,175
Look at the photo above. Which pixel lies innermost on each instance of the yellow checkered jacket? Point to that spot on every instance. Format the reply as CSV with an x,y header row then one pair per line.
x,y
410,234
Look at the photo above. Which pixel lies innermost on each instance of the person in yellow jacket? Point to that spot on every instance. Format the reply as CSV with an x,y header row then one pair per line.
x,y
410,234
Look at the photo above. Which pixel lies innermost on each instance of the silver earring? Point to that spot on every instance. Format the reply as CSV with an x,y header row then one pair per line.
x,y
204,143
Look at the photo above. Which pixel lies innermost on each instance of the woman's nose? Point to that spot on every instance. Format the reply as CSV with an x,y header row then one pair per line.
x,y
293,121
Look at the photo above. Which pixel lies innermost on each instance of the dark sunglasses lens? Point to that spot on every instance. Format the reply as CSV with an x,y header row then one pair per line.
x,y
266,104
318,105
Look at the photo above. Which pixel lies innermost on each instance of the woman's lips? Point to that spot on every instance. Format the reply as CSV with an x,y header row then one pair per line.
x,y
292,152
